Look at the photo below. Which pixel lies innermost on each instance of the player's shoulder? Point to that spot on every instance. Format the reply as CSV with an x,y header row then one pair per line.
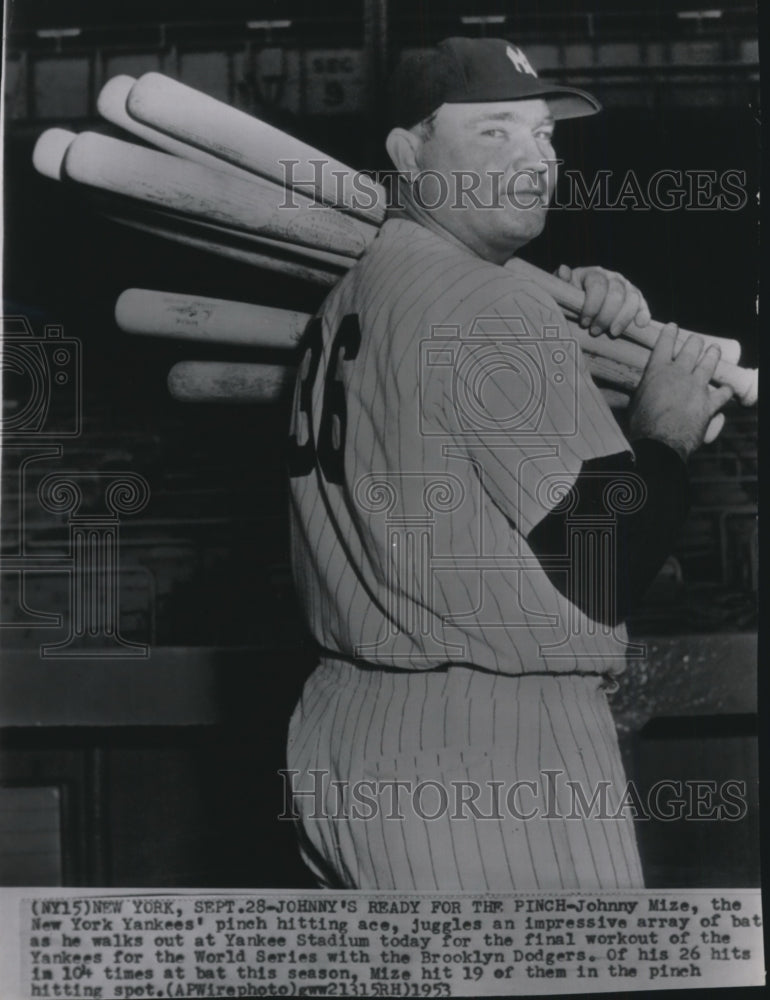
x,y
413,276
500,293
408,272
524,292
426,273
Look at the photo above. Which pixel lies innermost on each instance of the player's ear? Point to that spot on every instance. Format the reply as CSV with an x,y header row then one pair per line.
x,y
402,146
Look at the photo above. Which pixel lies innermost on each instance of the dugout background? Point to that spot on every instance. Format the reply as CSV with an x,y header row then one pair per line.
x,y
161,771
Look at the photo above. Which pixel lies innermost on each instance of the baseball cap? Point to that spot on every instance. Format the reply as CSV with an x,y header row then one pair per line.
x,y
473,70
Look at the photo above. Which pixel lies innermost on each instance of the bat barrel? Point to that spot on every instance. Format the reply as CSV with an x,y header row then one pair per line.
x,y
228,382
169,182
241,139
203,319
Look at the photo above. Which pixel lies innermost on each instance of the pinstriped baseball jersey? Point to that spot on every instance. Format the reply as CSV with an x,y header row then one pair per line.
x,y
441,411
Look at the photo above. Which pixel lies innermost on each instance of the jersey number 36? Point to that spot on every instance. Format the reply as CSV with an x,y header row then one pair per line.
x,y
329,450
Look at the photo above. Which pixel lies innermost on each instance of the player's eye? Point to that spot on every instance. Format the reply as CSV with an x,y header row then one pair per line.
x,y
544,133
496,133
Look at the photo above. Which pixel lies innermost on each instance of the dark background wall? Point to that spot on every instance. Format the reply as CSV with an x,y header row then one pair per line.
x,y
164,771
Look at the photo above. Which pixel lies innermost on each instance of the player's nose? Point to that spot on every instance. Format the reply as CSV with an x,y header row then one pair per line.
x,y
530,154
531,174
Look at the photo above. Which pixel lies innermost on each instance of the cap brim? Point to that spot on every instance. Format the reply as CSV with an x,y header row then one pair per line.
x,y
568,102
564,102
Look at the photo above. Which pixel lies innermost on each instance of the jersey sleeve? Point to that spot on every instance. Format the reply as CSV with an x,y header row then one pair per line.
x,y
647,521
511,389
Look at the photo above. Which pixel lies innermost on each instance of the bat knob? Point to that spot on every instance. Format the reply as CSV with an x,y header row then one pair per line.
x,y
48,154
714,429
749,394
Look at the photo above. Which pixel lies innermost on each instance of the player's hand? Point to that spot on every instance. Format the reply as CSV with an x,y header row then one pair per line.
x,y
674,403
611,304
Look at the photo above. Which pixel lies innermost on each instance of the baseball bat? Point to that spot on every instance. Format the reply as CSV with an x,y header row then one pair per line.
x,y
223,240
227,382
743,381
49,154
616,399
203,122
619,362
243,253
169,182
241,139
208,381
571,299
280,248
189,317
325,257
49,150
182,111
111,105
196,317
619,374
243,382
624,351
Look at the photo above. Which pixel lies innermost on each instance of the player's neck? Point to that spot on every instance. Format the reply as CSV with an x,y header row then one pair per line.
x,y
467,241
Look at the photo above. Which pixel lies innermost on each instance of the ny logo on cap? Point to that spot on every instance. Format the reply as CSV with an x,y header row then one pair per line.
x,y
519,60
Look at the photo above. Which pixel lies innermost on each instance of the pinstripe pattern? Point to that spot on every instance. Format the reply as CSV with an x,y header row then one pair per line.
x,y
477,727
414,585
419,560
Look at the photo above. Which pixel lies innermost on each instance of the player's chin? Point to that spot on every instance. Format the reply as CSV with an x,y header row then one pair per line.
x,y
525,223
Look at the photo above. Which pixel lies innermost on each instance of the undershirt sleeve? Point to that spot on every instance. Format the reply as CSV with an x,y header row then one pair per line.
x,y
644,536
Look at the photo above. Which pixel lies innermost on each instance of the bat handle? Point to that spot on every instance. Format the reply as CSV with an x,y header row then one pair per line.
x,y
743,381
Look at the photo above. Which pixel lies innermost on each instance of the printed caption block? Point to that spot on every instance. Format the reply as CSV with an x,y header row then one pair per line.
x,y
281,943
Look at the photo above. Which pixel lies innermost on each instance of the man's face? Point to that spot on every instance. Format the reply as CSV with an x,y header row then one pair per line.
x,y
507,145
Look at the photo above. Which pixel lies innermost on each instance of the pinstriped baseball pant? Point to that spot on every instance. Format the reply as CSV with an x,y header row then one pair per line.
x,y
522,745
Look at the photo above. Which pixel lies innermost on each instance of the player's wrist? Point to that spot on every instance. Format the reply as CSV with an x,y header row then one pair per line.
x,y
660,449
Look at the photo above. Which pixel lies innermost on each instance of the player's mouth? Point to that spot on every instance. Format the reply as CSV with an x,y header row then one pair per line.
x,y
526,195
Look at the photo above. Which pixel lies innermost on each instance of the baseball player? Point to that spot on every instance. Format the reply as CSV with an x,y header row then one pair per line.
x,y
470,524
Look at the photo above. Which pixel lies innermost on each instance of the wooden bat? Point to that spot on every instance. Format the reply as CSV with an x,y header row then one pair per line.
x,y
240,251
49,150
619,374
199,318
231,135
623,351
111,105
743,381
616,399
169,182
181,111
618,361
258,384
274,255
197,125
571,299
177,221
54,143
228,382
246,382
